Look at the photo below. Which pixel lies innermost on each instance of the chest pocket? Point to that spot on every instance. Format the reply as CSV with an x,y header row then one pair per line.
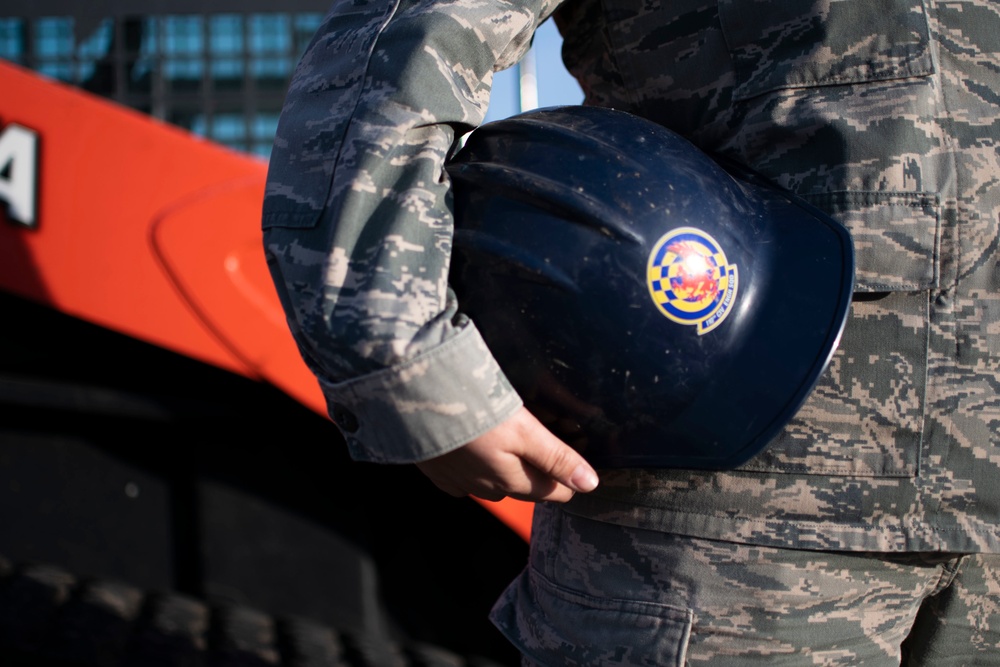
x,y
865,416
772,84
779,45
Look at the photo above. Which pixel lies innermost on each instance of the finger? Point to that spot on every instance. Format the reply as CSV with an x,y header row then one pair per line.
x,y
554,458
543,488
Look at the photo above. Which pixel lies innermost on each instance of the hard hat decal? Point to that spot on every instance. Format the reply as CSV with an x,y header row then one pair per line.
x,y
690,280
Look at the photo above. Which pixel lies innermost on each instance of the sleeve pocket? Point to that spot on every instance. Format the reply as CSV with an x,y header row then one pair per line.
x,y
300,171
322,97
777,45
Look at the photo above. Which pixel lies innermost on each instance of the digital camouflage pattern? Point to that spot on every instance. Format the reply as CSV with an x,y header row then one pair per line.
x,y
885,114
692,601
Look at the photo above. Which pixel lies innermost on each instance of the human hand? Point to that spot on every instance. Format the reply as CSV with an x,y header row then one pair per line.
x,y
519,458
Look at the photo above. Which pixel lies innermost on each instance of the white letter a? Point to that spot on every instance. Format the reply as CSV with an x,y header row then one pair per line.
x,y
19,173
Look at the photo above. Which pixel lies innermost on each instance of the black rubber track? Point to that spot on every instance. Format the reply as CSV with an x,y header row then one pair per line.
x,y
49,617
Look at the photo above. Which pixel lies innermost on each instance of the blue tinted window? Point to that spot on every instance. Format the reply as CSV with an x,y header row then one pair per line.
x,y
198,123
183,69
225,35
11,39
270,33
94,47
54,38
229,127
228,68
263,150
306,26
272,67
151,37
98,42
222,76
182,35
57,70
265,125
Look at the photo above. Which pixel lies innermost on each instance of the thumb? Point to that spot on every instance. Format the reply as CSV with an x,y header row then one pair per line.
x,y
558,460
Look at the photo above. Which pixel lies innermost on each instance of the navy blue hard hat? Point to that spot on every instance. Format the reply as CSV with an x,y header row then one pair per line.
x,y
652,306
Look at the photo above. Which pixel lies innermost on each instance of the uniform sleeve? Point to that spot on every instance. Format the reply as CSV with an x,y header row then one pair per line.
x,y
357,217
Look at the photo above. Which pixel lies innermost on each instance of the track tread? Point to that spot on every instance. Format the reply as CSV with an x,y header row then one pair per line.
x,y
49,616
96,624
305,643
30,600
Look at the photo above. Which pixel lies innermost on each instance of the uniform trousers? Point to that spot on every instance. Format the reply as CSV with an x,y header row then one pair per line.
x,y
597,593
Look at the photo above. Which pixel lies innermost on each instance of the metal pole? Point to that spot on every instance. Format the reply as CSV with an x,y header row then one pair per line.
x,y
528,82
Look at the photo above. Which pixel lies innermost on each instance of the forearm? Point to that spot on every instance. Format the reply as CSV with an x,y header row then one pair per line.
x,y
358,224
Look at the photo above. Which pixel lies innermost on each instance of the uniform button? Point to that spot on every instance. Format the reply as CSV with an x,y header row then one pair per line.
x,y
344,418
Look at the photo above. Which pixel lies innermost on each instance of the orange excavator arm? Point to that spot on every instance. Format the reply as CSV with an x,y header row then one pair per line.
x,y
130,223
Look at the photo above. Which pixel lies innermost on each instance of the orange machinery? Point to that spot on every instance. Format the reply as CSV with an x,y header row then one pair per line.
x,y
130,223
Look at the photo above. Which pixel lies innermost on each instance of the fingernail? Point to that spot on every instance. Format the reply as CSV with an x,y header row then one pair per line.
x,y
583,478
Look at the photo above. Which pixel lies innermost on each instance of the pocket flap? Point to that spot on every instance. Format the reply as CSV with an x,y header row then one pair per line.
x,y
779,45
896,237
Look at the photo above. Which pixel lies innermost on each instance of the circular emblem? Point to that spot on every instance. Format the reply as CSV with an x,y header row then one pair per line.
x,y
690,280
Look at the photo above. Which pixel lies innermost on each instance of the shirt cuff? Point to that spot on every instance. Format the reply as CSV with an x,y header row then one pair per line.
x,y
428,406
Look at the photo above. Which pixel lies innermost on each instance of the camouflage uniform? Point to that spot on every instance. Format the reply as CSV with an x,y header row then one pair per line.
x,y
599,593
885,114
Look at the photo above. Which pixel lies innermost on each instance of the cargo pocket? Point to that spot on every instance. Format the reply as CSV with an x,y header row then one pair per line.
x,y
552,625
865,416
778,45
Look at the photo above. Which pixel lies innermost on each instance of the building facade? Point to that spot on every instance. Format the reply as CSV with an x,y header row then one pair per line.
x,y
218,69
